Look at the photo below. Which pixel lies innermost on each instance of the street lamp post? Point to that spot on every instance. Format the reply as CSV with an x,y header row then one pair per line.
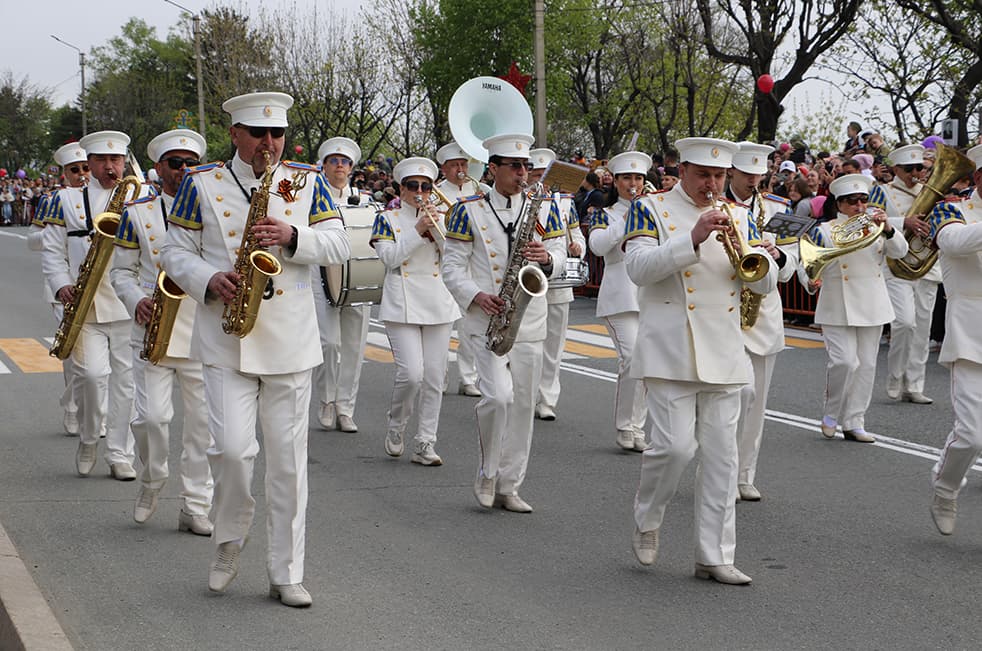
x,y
81,64
196,22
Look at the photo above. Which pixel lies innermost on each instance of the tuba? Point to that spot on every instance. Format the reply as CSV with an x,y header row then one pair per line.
x,y
750,265
949,166
167,297
93,268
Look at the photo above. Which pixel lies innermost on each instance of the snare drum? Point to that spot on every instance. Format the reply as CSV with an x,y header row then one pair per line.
x,y
358,281
577,274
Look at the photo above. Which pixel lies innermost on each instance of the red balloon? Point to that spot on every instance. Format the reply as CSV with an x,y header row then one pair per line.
x,y
298,149
3,172
765,83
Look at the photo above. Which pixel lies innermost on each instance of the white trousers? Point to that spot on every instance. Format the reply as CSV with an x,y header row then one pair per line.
x,y
344,333
103,360
630,410
753,403
849,375
68,401
557,321
465,357
281,404
686,417
910,330
153,397
506,410
964,442
420,353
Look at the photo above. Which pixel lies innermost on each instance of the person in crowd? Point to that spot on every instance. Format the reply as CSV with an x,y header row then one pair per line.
x,y
853,142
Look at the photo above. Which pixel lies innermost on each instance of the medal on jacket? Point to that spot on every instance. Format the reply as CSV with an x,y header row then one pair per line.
x,y
288,188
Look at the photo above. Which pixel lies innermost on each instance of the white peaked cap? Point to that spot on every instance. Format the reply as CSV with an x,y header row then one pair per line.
x,y
711,152
629,162
259,109
850,184
416,166
450,151
105,142
751,158
509,145
340,145
174,140
541,158
907,155
70,153
975,153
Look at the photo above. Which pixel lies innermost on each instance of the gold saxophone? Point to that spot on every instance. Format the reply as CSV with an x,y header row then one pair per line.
x,y
254,266
750,266
167,297
93,268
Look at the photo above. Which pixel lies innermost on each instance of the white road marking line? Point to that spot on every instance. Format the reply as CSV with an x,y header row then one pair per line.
x,y
17,235
3,368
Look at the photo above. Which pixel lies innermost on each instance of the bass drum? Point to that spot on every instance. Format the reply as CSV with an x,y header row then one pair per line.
x,y
576,275
359,280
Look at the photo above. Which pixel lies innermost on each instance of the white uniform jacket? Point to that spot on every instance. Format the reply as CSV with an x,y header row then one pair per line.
x,y
690,298
141,233
340,197
617,292
854,291
476,257
206,225
564,212
35,240
895,198
957,231
66,243
413,290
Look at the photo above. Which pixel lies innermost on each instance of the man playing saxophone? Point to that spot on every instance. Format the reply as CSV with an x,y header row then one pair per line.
x,y
101,353
265,375
136,265
475,266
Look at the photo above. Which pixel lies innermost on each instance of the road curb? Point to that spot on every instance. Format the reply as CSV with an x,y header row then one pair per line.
x,y
26,621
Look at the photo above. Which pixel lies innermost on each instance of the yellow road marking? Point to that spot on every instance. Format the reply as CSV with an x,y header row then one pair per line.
x,y
803,343
377,354
30,356
588,350
596,328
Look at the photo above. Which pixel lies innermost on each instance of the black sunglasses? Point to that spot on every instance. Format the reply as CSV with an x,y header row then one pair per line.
x,y
517,165
75,169
856,198
912,168
176,162
416,186
259,132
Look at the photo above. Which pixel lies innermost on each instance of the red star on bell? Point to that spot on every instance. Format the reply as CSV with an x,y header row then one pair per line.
x,y
516,78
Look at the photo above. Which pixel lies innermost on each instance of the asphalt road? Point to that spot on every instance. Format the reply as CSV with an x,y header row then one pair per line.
x,y
842,549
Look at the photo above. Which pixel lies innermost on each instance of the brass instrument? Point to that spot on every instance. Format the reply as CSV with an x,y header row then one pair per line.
x,y
435,198
857,233
93,268
166,299
254,266
949,166
750,265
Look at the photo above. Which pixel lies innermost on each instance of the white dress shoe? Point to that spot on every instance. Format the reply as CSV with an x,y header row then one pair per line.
x,y
199,525
122,471
71,423
512,503
393,444
484,490
640,445
146,504
917,398
645,544
828,427
85,458
293,595
544,412
225,566
625,439
722,574
346,424
748,493
328,416
944,511
468,390
894,388
859,435
425,455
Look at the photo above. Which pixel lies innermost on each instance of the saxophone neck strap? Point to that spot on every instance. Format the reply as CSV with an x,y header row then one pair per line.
x,y
510,228
88,212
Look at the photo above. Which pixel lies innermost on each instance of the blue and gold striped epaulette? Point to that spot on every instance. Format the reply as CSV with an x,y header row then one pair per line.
x,y
204,168
297,165
147,199
473,197
565,195
777,198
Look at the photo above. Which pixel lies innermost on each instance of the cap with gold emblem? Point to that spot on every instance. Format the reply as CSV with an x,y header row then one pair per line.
x,y
175,140
340,145
710,152
450,151
105,142
70,153
630,162
975,153
415,166
509,145
751,158
850,184
259,109
541,158
907,155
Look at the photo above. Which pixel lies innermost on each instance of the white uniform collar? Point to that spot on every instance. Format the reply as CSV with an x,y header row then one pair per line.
x,y
900,185
244,172
749,200
499,200
624,202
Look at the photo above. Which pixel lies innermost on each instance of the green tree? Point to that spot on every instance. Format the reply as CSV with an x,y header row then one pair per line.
x,y
65,126
24,115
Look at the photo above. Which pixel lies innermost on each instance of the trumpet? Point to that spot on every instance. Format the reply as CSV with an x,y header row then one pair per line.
x,y
750,265
464,177
436,198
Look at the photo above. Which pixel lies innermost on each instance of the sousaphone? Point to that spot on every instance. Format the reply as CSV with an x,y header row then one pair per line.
x,y
483,107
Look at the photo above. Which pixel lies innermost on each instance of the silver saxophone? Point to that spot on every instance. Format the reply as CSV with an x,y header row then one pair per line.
x,y
522,281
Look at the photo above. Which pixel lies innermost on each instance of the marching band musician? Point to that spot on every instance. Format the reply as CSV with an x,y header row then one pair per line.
x,y
75,169
475,264
101,354
617,300
136,263
690,352
852,307
765,339
416,308
265,374
343,330
912,300
956,229
456,184
558,299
